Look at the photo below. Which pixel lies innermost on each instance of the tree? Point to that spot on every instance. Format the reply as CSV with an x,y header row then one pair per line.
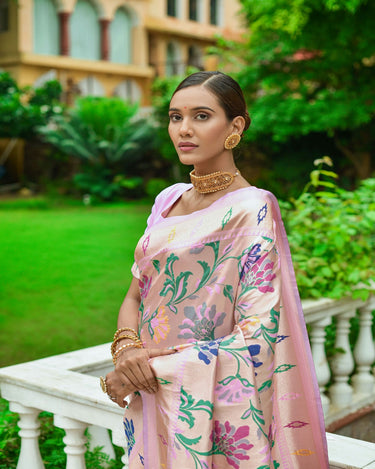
x,y
307,66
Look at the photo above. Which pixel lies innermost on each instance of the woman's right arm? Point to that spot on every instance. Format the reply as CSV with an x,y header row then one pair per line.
x,y
132,371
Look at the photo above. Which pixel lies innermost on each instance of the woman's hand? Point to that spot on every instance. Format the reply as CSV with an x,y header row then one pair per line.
x,y
133,373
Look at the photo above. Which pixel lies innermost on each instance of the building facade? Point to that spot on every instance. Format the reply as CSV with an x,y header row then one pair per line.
x,y
110,47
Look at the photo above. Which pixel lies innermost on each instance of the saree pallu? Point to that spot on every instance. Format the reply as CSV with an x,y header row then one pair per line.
x,y
241,392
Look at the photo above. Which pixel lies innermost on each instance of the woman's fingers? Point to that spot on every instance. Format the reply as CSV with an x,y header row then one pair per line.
x,y
158,352
133,365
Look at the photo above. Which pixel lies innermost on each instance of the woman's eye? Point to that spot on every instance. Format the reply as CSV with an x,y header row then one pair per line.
x,y
174,117
202,117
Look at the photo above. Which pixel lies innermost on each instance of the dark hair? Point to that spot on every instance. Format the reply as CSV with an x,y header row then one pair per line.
x,y
226,90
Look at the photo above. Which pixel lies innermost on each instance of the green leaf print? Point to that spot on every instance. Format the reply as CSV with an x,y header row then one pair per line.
x,y
229,293
226,218
265,386
256,415
163,381
188,405
270,333
206,273
156,264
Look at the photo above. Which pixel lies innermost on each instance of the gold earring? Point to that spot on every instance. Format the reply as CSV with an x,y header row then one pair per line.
x,y
232,141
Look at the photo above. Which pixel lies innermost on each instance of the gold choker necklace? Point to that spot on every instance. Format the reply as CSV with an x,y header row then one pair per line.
x,y
213,182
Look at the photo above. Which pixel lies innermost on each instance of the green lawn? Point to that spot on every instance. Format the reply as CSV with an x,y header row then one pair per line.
x,y
63,275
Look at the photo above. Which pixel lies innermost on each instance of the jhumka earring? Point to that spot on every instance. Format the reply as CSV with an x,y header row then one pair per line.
x,y
232,141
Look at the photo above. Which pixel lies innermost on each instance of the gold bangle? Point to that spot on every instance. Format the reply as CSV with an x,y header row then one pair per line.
x,y
136,339
124,347
123,329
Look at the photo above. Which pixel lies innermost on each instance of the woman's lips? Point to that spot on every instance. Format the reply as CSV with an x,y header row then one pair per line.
x,y
187,146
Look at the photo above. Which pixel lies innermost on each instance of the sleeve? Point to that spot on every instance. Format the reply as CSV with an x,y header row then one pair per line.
x,y
162,200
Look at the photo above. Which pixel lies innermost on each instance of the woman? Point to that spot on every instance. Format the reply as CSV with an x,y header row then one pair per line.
x,y
211,345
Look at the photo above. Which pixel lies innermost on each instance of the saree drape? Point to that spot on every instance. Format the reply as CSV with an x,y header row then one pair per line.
x,y
241,391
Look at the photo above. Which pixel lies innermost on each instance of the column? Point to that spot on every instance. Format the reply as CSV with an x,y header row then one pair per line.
x,y
323,374
342,364
364,352
74,440
104,38
29,432
64,33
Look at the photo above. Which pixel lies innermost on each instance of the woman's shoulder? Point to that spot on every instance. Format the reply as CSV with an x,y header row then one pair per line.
x,y
171,192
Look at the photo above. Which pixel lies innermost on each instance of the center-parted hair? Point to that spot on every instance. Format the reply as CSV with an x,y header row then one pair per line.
x,y
226,90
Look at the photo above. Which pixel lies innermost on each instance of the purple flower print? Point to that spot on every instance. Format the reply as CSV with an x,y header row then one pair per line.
x,y
208,351
144,286
230,441
200,323
260,276
231,390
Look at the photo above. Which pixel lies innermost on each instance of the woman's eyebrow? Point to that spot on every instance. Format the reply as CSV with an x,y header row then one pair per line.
x,y
193,109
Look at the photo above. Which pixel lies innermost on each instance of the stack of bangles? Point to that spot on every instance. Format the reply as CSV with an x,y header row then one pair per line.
x,y
121,334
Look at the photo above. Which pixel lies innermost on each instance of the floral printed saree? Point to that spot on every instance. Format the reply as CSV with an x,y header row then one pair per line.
x,y
241,392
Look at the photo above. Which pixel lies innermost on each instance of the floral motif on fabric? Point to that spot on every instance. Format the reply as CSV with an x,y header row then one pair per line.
x,y
158,325
209,351
144,286
232,442
189,405
200,322
129,433
262,213
232,390
260,276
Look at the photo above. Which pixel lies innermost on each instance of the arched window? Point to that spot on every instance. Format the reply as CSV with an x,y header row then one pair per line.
x,y
46,28
91,86
173,64
85,31
128,90
120,37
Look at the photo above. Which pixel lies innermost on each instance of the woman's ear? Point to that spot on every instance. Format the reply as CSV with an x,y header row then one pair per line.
x,y
238,124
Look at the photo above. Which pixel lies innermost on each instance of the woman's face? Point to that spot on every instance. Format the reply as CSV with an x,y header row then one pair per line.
x,y
198,127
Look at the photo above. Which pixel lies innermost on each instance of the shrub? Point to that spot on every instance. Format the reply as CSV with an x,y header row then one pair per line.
x,y
332,237
111,143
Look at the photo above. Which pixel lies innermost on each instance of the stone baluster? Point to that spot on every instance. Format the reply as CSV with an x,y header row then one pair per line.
x,y
323,374
342,363
364,352
29,432
74,440
118,439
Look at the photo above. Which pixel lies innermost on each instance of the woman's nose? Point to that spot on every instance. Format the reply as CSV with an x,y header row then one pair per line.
x,y
185,127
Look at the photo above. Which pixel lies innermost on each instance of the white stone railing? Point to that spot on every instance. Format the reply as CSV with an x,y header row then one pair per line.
x,y
67,385
349,375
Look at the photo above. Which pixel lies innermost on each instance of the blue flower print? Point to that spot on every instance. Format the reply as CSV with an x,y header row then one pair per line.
x,y
208,351
142,459
129,433
255,350
262,213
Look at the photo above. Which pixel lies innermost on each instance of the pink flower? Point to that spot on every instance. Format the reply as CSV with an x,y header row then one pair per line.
x,y
230,441
260,276
144,286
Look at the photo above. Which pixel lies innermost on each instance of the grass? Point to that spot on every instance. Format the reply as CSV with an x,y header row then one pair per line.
x,y
63,274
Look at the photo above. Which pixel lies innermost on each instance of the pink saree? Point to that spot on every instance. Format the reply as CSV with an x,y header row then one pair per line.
x,y
241,391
